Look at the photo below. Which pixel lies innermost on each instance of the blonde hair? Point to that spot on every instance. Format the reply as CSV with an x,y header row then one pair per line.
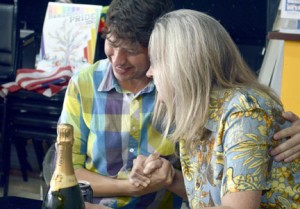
x,y
191,53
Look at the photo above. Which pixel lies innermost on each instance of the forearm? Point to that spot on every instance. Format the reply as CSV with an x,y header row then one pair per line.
x,y
105,186
177,185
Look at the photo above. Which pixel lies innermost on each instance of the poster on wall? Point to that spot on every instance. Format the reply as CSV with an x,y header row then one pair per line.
x,y
290,9
69,36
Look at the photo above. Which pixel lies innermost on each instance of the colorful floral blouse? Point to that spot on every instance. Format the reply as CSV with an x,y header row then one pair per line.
x,y
235,157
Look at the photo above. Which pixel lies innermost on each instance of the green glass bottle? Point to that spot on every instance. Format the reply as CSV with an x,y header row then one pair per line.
x,y
64,191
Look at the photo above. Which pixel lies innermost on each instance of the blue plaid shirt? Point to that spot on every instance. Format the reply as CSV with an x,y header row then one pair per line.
x,y
111,127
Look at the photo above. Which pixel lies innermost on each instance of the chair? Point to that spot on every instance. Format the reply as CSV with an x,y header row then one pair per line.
x,y
4,150
9,31
9,62
33,116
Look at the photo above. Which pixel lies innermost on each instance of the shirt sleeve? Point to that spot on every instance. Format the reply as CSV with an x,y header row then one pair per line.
x,y
247,141
72,114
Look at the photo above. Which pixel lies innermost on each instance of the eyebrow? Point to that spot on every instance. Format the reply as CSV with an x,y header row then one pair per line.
x,y
126,46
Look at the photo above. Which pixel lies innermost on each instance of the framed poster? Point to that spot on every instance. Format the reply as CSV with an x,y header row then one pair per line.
x,y
69,36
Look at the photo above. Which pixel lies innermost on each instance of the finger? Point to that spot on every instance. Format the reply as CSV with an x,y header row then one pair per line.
x,y
287,132
294,129
292,158
138,164
152,166
290,116
287,154
151,157
153,163
288,145
136,176
140,159
138,180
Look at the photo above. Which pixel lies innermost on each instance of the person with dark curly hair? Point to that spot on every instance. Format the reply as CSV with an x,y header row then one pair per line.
x,y
110,106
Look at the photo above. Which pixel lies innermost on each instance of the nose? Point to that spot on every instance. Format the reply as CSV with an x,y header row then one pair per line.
x,y
118,57
149,73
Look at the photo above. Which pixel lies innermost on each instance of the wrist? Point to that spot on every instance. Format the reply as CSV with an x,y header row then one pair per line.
x,y
177,185
128,188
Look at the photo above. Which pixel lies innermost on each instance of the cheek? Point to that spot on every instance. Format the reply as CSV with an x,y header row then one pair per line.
x,y
141,62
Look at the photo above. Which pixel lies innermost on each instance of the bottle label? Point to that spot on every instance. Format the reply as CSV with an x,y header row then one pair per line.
x,y
60,181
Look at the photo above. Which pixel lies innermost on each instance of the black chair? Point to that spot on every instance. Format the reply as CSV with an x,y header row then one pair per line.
x,y
32,116
9,62
4,149
9,30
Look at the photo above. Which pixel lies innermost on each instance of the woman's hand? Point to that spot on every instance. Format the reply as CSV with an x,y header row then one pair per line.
x,y
150,174
142,169
290,149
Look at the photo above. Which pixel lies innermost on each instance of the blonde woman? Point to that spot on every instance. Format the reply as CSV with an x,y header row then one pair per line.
x,y
210,103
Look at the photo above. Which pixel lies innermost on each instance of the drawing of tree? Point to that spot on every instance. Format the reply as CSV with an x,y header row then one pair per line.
x,y
67,42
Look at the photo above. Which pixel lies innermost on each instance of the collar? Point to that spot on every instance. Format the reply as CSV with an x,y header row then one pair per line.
x,y
110,82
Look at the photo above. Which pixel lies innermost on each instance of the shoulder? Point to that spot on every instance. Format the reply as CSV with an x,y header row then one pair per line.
x,y
244,100
236,103
93,73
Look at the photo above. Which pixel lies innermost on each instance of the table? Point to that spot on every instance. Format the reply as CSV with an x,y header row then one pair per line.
x,y
12,202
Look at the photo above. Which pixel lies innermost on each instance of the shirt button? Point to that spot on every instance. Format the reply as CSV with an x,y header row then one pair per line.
x,y
134,128
131,150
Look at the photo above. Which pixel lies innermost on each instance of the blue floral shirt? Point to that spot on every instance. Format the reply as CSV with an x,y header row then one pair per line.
x,y
235,157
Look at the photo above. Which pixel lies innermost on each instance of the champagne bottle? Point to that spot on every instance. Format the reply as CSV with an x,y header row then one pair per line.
x,y
64,191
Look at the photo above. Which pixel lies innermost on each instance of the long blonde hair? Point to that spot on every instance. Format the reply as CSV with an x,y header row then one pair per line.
x,y
191,53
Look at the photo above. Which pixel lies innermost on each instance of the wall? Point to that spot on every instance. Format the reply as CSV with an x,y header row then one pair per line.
x,y
247,21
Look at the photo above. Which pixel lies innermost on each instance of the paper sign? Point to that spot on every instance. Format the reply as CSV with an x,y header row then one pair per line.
x,y
290,9
69,36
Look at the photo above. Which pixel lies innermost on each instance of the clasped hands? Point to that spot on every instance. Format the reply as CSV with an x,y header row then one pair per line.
x,y
148,174
152,173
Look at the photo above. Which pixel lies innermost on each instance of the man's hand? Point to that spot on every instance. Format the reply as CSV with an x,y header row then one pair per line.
x,y
290,149
142,168
151,174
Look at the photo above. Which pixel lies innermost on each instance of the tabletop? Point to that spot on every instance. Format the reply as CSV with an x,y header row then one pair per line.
x,y
12,202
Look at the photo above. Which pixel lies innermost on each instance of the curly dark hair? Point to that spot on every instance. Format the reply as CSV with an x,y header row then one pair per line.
x,y
133,20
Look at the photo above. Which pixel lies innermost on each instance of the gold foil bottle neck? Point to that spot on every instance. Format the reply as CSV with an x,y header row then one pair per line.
x,y
65,133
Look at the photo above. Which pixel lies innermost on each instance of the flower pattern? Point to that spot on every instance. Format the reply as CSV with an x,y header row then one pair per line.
x,y
235,156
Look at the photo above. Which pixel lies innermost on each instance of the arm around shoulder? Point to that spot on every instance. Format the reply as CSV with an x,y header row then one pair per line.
x,y
290,149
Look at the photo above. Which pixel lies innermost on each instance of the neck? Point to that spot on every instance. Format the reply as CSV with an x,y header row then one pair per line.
x,y
135,86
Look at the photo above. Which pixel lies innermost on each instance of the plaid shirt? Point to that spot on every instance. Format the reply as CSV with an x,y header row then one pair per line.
x,y
111,127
